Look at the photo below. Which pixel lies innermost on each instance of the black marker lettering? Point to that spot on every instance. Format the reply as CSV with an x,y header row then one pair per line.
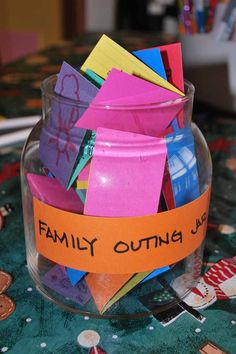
x,y
121,243
40,226
91,244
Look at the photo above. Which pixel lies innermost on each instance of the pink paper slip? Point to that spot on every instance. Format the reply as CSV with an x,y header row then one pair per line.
x,y
126,174
50,191
127,92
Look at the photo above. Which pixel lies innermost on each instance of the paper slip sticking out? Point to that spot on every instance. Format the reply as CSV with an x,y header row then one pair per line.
x,y
172,60
107,54
73,85
59,147
152,58
49,191
123,178
94,78
123,90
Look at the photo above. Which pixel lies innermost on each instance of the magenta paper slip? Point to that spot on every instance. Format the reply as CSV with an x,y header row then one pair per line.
x,y
49,191
126,174
83,176
125,90
73,85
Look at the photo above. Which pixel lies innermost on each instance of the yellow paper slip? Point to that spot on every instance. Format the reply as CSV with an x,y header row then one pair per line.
x,y
81,184
107,54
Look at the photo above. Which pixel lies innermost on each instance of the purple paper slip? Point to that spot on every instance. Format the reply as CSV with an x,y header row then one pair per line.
x,y
126,174
56,279
60,141
73,85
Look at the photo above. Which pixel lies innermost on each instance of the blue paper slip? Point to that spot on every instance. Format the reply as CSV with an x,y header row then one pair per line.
x,y
182,166
155,273
152,58
74,275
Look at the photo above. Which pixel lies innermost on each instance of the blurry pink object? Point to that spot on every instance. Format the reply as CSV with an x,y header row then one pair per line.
x,y
15,45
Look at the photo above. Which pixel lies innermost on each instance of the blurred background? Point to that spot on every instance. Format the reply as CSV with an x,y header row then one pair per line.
x,y
209,48
52,21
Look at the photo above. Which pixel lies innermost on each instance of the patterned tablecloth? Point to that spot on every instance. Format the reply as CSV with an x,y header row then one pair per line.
x,y
39,326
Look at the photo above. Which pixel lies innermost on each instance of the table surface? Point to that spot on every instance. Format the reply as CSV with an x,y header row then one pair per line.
x,y
39,326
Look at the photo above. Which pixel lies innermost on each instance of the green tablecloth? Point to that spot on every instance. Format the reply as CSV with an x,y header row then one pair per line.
x,y
38,325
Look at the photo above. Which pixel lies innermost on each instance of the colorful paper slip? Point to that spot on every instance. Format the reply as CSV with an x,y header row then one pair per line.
x,y
84,157
122,88
73,85
112,106
138,244
182,167
49,191
60,140
152,58
135,280
173,63
172,59
107,54
56,280
124,179
94,78
138,278
104,286
155,273
74,275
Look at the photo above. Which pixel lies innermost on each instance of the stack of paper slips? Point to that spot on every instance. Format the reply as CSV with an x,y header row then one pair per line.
x,y
118,149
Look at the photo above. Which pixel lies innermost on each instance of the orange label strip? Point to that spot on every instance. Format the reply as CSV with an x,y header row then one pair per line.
x,y
120,245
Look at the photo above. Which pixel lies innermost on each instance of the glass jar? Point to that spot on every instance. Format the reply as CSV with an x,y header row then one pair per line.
x,y
126,238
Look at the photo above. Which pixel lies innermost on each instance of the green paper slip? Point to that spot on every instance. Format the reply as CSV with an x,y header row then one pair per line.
x,y
94,78
84,156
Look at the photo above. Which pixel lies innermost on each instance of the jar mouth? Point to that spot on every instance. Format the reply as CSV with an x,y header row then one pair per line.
x,y
49,83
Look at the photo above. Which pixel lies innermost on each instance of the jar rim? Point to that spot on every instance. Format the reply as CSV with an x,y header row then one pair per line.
x,y
48,85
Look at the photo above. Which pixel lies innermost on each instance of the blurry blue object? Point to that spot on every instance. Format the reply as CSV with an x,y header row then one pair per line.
x,y
152,58
74,275
155,273
182,166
